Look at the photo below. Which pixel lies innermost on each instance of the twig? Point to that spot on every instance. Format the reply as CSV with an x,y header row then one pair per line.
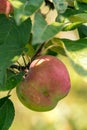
x,y
27,65
37,51
8,94
18,67
24,60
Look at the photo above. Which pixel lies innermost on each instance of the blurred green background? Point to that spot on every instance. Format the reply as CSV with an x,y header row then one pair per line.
x,y
69,114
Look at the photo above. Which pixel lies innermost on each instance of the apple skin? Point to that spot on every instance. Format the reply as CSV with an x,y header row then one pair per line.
x,y
5,7
46,83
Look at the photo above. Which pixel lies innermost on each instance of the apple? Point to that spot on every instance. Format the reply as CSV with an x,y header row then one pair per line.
x,y
46,83
5,7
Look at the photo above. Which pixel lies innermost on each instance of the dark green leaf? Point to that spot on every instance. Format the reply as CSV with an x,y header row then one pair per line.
x,y
82,7
42,31
82,30
82,1
12,80
24,8
2,100
13,39
71,11
77,53
7,113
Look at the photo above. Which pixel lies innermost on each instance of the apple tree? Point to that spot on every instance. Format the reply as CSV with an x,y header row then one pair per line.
x,y
25,34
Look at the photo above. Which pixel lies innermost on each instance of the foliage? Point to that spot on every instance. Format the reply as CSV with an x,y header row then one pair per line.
x,y
7,112
25,33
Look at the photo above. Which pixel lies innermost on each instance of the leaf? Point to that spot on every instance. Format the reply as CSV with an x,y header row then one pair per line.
x,y
77,53
12,80
7,113
13,39
30,49
58,49
79,18
59,46
76,5
24,8
82,30
82,1
72,26
42,31
70,12
60,5
82,6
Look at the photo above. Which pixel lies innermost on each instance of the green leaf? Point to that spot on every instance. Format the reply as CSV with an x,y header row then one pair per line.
x,y
13,39
12,80
58,46
54,47
7,113
72,26
82,6
72,11
77,53
42,31
82,1
24,8
30,49
82,30
60,5
79,18
76,5
58,49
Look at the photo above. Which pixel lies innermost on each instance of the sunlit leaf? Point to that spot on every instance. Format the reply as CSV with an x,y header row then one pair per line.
x,y
72,26
77,53
42,31
24,8
79,18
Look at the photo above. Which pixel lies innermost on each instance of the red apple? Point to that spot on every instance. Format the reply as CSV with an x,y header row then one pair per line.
x,y
47,82
5,7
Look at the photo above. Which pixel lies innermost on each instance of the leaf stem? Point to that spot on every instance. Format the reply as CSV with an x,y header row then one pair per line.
x,y
37,51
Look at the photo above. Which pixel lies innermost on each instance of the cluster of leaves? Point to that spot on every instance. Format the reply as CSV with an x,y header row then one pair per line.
x,y
26,29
